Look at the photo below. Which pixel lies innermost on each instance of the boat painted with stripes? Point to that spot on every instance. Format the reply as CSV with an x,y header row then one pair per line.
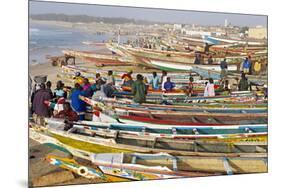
x,y
143,144
180,164
198,162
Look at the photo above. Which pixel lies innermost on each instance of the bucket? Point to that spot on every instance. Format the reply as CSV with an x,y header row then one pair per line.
x,y
40,79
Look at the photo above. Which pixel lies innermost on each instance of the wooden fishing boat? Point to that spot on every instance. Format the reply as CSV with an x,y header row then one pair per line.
x,y
100,62
177,117
194,109
192,120
143,133
143,144
102,145
98,59
182,61
172,117
180,164
201,107
197,162
174,66
190,132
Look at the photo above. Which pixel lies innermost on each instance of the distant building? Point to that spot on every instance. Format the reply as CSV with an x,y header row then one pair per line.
x,y
193,26
257,32
195,33
225,23
177,27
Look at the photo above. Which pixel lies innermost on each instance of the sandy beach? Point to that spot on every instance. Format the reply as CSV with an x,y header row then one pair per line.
x,y
41,173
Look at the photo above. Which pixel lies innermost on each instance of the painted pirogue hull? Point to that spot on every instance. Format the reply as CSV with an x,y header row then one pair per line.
x,y
195,121
129,133
173,66
198,162
172,117
169,109
161,130
210,108
146,56
180,57
177,119
105,62
81,146
132,143
98,59
180,164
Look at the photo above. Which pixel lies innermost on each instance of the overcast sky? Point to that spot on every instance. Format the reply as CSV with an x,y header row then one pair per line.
x,y
159,15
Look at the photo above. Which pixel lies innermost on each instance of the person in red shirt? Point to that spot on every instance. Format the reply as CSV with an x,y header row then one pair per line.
x,y
127,78
67,113
190,91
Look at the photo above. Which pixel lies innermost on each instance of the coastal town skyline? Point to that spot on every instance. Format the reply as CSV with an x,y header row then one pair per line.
x,y
148,14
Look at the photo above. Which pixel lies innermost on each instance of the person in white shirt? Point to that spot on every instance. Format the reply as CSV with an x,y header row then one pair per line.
x,y
210,89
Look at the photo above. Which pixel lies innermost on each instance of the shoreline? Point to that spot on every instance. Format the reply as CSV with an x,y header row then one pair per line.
x,y
89,28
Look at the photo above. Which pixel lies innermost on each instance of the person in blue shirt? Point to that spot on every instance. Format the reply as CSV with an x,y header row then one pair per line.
x,y
168,85
77,104
246,65
223,66
59,91
155,81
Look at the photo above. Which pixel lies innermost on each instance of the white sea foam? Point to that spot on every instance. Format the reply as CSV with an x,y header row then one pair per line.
x,y
34,30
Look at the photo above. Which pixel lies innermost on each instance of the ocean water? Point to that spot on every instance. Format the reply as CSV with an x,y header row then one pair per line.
x,y
51,40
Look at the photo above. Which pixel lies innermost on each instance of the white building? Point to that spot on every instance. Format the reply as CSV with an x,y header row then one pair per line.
x,y
225,23
257,32
195,33
177,27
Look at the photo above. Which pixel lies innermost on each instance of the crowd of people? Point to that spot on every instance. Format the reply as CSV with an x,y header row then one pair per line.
x,y
64,102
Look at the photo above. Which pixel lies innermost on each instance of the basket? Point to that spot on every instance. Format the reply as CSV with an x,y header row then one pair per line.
x,y
40,79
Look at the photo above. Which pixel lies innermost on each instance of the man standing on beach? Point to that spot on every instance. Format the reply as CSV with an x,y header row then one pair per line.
x,y
41,110
77,104
139,90
168,85
154,81
223,66
243,83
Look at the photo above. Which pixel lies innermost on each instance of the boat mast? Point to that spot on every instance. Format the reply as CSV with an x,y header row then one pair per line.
x,y
118,40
